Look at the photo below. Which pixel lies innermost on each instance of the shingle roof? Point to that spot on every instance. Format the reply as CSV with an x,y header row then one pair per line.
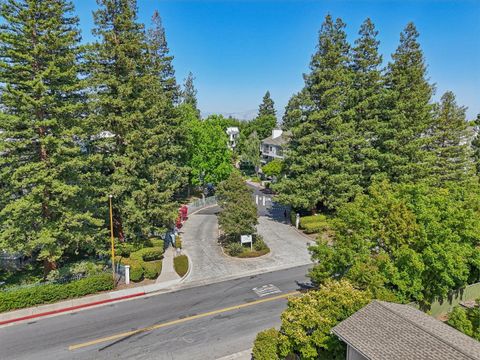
x,y
279,140
383,330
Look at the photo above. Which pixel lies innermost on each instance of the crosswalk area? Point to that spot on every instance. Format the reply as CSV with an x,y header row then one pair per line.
x,y
265,290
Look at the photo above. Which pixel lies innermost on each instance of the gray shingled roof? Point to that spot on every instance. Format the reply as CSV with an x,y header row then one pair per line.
x,y
279,140
383,330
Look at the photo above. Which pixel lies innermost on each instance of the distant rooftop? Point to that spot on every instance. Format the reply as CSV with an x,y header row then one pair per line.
x,y
278,140
383,330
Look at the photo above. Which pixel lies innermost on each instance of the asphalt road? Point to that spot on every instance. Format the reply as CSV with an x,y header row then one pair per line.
x,y
205,322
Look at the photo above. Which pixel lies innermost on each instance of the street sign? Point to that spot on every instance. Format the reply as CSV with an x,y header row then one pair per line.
x,y
245,239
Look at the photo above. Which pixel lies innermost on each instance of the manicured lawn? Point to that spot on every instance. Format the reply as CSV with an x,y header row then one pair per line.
x,y
180,263
253,253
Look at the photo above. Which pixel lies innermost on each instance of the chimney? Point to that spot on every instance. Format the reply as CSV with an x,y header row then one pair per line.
x,y
276,133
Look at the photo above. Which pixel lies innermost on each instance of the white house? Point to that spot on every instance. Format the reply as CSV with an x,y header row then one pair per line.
x,y
272,147
233,134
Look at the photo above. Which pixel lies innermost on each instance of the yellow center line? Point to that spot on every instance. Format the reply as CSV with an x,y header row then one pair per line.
x,y
179,321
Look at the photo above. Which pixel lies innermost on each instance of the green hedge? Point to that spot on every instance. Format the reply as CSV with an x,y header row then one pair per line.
x,y
152,269
314,224
45,294
147,254
136,267
154,242
266,345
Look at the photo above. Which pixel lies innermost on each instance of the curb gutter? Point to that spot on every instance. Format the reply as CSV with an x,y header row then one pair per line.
x,y
62,310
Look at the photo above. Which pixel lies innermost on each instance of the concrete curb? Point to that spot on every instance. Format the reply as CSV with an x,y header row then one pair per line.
x,y
189,268
90,301
69,305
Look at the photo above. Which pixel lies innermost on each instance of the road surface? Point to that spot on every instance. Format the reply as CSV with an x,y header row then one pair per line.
x,y
204,322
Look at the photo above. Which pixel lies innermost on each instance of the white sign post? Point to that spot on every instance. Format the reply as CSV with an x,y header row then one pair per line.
x,y
245,239
127,274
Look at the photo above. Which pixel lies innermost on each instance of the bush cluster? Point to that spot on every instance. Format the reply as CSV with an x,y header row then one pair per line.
x,y
147,254
45,294
144,263
152,269
154,242
266,345
234,249
314,224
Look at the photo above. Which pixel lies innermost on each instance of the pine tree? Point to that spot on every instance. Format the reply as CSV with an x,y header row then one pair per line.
x,y
162,59
189,93
476,146
139,162
366,98
449,141
45,210
267,107
403,138
319,162
294,111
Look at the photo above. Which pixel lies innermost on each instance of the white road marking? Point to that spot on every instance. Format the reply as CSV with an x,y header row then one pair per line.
x,y
265,290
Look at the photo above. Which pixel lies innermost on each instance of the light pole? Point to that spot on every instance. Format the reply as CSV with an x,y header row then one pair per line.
x,y
112,238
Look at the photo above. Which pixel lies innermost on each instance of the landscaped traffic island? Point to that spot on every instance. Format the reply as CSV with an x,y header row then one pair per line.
x,y
238,219
237,249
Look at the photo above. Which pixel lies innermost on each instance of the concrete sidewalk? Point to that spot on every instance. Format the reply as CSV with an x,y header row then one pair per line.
x,y
168,273
164,283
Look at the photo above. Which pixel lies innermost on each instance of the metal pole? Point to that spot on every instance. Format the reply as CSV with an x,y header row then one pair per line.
x,y
112,238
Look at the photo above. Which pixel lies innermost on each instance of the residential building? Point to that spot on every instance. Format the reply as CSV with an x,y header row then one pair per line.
x,y
273,146
233,135
383,330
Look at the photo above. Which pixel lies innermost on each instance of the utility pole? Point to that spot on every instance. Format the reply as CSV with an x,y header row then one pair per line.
x,y
112,238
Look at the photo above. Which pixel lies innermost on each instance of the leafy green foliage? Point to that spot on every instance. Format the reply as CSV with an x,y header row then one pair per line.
x,y
266,345
152,269
273,168
45,294
147,254
314,224
308,320
417,241
251,151
235,249
458,319
239,212
210,159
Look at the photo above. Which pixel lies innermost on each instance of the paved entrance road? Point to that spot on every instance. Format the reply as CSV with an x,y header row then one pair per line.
x,y
195,323
288,248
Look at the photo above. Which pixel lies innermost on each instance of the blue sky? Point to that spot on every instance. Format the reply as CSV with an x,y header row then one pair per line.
x,y
239,49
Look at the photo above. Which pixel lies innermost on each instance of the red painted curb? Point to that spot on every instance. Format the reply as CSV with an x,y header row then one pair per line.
x,y
70,308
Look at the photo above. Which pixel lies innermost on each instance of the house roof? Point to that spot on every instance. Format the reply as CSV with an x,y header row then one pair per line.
x,y
383,330
279,140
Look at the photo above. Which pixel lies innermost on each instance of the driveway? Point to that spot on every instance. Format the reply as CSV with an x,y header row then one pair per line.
x,y
288,248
